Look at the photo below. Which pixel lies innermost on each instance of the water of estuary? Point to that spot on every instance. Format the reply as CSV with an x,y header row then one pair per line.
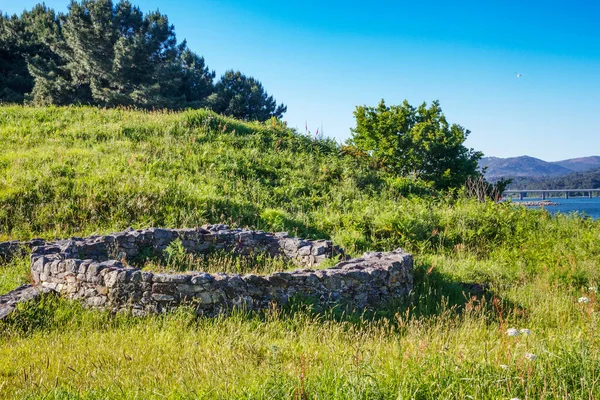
x,y
582,205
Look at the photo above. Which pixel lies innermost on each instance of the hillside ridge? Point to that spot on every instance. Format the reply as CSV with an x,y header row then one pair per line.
x,y
531,167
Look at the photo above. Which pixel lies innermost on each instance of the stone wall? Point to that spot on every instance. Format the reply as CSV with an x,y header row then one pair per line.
x,y
13,248
22,294
92,270
132,244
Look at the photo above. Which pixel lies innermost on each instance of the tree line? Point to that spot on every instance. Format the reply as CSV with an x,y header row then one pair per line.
x,y
576,180
106,54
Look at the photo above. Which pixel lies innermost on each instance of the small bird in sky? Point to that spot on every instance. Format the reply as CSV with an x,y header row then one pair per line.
x,y
518,75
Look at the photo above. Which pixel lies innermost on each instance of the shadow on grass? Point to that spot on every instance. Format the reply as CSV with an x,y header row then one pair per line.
x,y
434,294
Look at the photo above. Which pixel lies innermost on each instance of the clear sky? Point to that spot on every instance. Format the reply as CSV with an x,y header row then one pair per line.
x,y
322,58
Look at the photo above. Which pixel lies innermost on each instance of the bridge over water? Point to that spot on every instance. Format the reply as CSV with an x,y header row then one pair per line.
x,y
566,193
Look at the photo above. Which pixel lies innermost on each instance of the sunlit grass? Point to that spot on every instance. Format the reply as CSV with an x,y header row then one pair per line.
x,y
452,353
14,273
215,262
481,269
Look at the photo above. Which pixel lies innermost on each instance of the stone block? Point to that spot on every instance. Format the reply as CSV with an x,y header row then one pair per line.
x,y
163,297
37,263
168,278
188,289
102,290
136,276
164,288
97,301
147,276
201,279
304,251
205,298
110,279
72,265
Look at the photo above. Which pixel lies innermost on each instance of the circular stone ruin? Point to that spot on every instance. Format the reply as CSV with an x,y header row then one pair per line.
x,y
92,270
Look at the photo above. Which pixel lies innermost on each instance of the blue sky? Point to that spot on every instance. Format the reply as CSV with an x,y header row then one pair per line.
x,y
323,58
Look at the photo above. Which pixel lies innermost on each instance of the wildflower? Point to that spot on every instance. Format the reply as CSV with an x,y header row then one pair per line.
x,y
503,366
525,331
593,289
530,356
584,299
515,398
512,332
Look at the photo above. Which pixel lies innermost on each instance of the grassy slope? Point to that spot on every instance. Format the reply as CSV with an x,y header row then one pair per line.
x,y
75,171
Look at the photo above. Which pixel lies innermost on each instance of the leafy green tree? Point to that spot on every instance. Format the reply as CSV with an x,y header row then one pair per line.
x,y
415,141
244,97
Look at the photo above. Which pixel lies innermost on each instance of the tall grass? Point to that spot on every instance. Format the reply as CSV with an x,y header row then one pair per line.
x,y
481,268
176,259
57,349
14,273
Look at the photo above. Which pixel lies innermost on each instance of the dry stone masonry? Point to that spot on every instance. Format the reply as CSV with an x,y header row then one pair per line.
x,y
23,293
8,250
91,270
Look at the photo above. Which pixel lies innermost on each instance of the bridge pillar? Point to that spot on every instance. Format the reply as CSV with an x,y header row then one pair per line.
x,y
590,194
520,195
566,195
543,195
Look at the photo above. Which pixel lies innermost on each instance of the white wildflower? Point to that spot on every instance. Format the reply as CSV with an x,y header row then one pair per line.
x,y
515,398
503,366
584,299
512,332
593,289
530,356
525,331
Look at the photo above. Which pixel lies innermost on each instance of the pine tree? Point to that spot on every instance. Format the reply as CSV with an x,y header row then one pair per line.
x,y
15,81
21,38
245,98
197,81
115,55
107,54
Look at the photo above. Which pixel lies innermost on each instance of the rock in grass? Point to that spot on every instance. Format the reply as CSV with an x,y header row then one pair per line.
x,y
22,294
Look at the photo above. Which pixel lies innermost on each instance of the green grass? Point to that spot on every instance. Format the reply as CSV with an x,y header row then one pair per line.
x,y
430,350
78,171
176,259
260,264
13,274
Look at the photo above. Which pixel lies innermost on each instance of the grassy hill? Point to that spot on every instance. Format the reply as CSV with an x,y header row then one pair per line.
x,y
481,268
81,170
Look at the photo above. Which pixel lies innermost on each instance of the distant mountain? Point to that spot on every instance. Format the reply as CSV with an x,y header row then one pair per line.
x,y
580,164
574,180
531,167
523,166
